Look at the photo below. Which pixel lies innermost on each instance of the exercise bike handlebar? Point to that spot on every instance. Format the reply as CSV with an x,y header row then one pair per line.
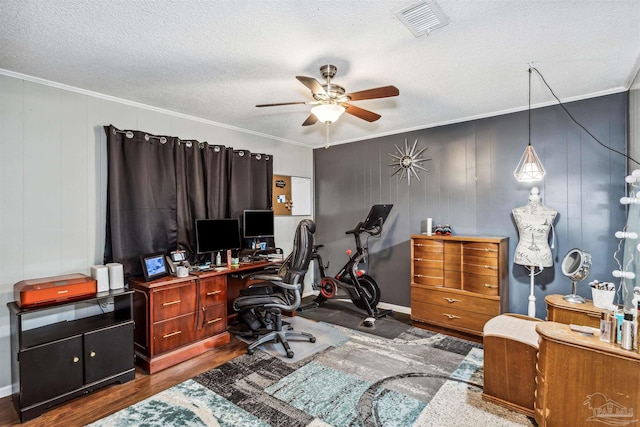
x,y
359,228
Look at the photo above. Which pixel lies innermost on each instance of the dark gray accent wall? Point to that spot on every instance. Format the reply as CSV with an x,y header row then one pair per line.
x,y
470,185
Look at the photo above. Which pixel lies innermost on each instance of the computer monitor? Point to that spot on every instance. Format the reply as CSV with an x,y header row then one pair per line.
x,y
258,224
213,235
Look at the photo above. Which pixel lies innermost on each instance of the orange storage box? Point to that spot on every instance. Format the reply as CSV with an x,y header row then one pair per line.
x,y
50,290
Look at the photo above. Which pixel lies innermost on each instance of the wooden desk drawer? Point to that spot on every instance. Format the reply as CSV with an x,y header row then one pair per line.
x,y
214,320
450,317
173,302
481,284
173,333
213,290
451,300
428,263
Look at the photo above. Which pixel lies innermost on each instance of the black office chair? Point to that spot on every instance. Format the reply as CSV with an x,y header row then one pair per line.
x,y
280,293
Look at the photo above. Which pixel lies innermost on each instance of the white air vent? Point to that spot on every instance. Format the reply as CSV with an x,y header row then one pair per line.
x,y
422,18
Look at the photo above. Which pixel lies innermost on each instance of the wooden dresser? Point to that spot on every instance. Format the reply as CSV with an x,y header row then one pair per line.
x,y
178,318
559,310
458,283
582,381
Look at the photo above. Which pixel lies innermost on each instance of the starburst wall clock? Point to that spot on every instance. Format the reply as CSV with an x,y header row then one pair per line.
x,y
407,161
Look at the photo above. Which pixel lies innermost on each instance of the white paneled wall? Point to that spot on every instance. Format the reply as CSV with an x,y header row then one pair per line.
x,y
53,180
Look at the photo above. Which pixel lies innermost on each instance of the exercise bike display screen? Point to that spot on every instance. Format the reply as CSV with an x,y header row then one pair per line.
x,y
376,214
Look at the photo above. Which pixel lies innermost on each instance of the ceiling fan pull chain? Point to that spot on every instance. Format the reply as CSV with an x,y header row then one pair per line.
x,y
327,138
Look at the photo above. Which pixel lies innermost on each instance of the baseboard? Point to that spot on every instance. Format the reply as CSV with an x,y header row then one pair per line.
x,y
5,391
398,308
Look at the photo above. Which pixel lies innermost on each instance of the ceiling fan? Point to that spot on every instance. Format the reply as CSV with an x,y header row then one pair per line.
x,y
331,101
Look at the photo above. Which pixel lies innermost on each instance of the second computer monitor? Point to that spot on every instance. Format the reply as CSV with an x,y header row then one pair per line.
x,y
258,224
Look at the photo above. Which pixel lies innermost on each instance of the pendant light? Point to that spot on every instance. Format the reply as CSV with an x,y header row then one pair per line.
x,y
529,168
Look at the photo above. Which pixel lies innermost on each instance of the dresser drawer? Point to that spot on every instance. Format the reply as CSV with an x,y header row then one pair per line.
x,y
482,269
175,301
428,276
481,249
481,284
213,290
173,333
436,264
425,245
451,300
214,320
450,317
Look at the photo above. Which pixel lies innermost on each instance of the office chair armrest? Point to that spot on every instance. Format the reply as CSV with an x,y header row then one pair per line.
x,y
295,286
266,277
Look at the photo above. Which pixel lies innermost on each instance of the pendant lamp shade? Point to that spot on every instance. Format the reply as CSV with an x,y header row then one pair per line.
x,y
327,113
530,168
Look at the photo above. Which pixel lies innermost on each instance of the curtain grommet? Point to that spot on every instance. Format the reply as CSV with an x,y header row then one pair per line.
x,y
163,140
258,156
129,134
189,144
146,137
241,153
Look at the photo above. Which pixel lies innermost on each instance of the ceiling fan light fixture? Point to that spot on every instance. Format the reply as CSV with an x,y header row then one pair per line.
x,y
328,113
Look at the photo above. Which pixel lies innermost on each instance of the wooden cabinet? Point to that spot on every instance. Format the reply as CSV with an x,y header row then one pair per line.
x,y
559,310
55,363
458,283
581,380
178,318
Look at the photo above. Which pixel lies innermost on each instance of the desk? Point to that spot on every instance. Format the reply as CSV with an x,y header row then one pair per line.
x,y
178,318
581,380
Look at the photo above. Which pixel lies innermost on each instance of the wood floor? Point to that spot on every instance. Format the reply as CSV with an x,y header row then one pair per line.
x,y
101,403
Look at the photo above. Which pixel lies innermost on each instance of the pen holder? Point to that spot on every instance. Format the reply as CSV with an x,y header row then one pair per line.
x,y
603,298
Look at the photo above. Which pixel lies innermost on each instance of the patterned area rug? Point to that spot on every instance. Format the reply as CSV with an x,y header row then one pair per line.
x,y
417,379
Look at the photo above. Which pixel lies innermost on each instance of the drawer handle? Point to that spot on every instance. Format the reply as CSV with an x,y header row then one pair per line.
x,y
76,359
490,267
172,334
451,316
92,354
213,293
214,320
451,300
418,275
64,291
171,302
490,286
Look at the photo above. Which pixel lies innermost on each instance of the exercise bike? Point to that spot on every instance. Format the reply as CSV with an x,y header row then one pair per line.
x,y
361,288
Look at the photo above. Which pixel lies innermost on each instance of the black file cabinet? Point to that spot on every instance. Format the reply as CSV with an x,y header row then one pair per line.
x,y
57,362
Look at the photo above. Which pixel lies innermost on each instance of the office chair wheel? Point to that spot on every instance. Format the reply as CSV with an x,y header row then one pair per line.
x,y
290,354
250,351
312,339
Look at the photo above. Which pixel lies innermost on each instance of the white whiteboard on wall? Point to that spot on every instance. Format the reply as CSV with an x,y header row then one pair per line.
x,y
301,195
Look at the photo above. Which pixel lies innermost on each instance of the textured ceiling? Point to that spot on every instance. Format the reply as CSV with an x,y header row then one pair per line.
x,y
216,59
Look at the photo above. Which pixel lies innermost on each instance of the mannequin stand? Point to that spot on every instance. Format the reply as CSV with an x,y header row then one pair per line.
x,y
532,298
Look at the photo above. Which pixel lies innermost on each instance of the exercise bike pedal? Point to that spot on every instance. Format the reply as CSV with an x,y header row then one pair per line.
x,y
369,322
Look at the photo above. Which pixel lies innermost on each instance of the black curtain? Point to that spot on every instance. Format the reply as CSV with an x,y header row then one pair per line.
x,y
159,185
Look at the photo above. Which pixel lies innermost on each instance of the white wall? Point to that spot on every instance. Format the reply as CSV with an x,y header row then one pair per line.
x,y
53,179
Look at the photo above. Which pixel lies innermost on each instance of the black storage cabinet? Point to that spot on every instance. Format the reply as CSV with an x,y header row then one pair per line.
x,y
57,362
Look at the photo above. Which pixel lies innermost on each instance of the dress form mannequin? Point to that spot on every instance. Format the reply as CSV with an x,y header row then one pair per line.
x,y
534,221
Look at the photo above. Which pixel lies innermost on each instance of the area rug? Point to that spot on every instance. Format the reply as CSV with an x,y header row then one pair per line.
x,y
417,379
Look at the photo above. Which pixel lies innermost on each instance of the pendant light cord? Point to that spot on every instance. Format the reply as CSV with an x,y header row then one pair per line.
x,y
570,116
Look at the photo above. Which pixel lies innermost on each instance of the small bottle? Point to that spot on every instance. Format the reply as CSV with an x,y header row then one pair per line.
x,y
605,327
218,259
628,332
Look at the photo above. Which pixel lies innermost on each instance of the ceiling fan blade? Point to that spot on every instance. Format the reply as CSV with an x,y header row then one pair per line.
x,y
312,119
379,92
281,103
312,84
361,113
